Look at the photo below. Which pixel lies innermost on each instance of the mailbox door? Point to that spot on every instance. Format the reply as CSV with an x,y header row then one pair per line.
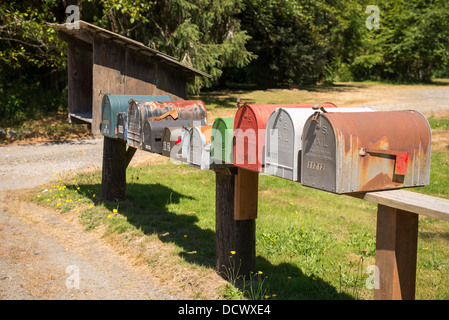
x,y
359,152
112,104
171,142
249,132
122,126
200,140
185,150
284,139
221,144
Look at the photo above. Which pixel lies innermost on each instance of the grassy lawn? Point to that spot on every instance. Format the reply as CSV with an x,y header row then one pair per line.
x,y
309,244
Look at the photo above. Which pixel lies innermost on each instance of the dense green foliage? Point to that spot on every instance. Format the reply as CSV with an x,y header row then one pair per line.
x,y
267,42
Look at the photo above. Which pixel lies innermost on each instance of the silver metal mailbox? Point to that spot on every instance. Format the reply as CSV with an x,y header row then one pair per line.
x,y
199,145
284,139
360,152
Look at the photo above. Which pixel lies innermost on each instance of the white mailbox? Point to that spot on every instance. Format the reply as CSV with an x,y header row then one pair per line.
x,y
199,153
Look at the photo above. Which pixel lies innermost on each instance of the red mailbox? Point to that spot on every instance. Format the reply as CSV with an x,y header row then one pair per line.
x,y
249,132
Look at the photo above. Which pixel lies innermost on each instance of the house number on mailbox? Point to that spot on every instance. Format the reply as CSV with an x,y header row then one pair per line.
x,y
315,165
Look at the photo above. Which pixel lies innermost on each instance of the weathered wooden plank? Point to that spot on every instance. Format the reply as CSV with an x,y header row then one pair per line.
x,y
246,194
396,253
410,201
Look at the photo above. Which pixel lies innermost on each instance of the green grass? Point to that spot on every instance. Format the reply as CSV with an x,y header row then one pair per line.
x,y
310,244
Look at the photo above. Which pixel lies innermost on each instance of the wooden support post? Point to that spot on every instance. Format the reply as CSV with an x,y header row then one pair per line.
x,y
396,254
246,194
113,183
235,241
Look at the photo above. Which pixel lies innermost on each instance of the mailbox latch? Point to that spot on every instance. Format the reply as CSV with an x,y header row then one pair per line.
x,y
401,158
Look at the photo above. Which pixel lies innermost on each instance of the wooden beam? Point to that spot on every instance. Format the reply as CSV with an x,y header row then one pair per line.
x,y
410,201
396,254
235,241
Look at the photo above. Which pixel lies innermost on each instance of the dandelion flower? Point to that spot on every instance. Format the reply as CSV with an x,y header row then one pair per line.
x,y
109,216
259,272
232,252
274,295
58,204
38,195
93,195
296,211
291,203
266,296
90,206
114,210
185,236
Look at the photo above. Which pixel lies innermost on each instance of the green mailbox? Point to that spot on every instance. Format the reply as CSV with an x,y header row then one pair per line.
x,y
221,145
115,103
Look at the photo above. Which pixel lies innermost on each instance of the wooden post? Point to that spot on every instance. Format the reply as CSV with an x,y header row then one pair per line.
x,y
235,241
113,183
396,253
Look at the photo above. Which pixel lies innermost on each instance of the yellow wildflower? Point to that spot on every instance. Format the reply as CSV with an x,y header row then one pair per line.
x,y
232,252
114,210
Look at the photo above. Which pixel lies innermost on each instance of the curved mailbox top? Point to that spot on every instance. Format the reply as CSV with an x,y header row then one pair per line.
x,y
359,152
283,139
111,104
249,132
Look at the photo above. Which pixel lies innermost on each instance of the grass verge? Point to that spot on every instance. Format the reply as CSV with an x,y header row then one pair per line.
x,y
310,244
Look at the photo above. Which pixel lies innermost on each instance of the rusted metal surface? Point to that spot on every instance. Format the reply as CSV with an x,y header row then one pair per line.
x,y
249,132
140,112
359,152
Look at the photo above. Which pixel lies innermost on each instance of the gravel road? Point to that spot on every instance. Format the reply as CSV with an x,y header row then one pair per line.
x,y
44,256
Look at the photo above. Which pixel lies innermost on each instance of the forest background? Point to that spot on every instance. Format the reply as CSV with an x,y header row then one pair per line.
x,y
255,43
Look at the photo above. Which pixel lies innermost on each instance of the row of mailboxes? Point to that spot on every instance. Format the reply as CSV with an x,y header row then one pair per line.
x,y
340,150
147,119
114,108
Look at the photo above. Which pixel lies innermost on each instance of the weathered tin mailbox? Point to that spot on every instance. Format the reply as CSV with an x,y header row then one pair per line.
x,y
199,145
221,144
283,139
172,142
249,132
359,152
113,104
141,112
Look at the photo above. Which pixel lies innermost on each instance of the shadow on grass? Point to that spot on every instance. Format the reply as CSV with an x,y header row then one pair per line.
x,y
146,208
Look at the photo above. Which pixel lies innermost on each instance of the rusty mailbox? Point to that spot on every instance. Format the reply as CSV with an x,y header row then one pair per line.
x,y
283,139
221,144
359,152
140,113
112,104
249,132
199,147
172,142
